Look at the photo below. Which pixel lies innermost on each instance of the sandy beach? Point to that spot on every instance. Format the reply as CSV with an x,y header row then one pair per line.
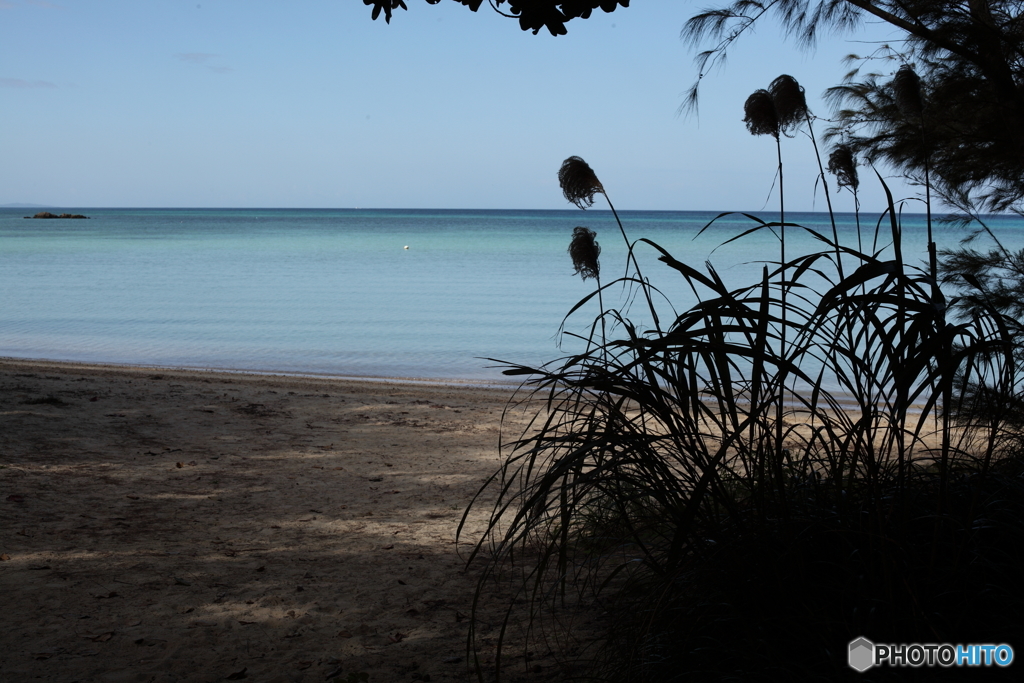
x,y
168,525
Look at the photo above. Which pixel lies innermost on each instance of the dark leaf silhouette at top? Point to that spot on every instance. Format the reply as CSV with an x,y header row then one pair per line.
x,y
387,5
533,15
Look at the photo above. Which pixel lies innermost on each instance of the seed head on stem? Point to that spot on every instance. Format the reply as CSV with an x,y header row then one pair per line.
x,y
906,86
584,251
843,165
759,114
790,103
579,182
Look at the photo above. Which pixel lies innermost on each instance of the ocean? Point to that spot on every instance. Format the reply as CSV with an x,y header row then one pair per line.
x,y
424,294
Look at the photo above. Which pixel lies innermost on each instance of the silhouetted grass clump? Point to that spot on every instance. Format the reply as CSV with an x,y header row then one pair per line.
x,y
778,470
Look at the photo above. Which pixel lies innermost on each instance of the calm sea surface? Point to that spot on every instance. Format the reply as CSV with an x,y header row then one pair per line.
x,y
336,292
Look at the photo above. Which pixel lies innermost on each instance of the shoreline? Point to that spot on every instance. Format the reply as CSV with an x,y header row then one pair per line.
x,y
845,400
71,365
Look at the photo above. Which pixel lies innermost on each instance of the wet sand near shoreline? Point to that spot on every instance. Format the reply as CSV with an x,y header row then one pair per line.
x,y
169,525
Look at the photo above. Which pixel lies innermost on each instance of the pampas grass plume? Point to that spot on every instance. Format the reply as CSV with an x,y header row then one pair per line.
x,y
579,182
790,102
843,164
759,114
584,251
906,86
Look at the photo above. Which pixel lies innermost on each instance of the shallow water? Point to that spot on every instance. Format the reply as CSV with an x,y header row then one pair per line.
x,y
336,291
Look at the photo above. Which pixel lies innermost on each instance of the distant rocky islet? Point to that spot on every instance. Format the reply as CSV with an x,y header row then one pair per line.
x,y
47,214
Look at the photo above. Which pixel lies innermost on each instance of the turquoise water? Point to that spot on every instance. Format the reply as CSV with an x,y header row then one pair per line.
x,y
335,291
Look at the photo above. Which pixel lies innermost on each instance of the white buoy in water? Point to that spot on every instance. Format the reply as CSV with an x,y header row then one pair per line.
x,y
406,246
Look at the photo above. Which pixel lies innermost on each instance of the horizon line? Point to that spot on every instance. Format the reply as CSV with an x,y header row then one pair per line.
x,y
753,212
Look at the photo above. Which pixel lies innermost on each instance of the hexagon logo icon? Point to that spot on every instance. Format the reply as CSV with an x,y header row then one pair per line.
x,y
862,654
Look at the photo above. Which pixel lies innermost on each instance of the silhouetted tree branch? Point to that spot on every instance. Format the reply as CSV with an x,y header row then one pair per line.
x,y
533,15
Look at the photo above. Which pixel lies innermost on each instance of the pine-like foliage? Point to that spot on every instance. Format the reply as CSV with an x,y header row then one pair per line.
x,y
966,126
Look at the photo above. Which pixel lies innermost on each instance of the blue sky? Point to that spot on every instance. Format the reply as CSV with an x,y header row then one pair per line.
x,y
235,103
